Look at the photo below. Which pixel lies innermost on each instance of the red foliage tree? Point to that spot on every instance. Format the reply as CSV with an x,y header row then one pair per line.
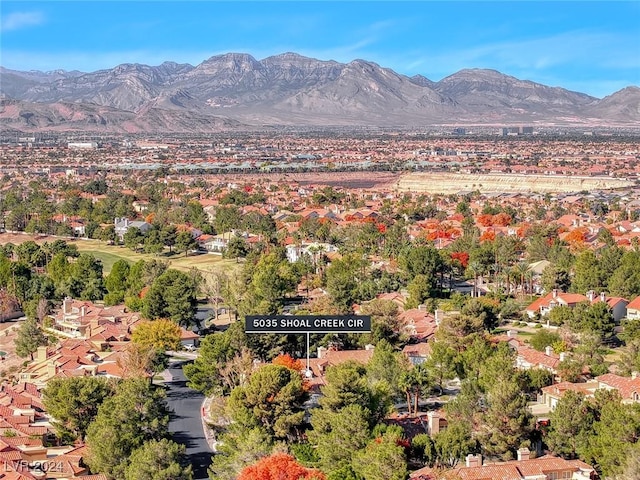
x,y
488,236
279,466
502,219
462,257
486,220
286,360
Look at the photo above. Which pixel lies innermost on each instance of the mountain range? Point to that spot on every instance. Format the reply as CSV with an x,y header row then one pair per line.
x,y
235,91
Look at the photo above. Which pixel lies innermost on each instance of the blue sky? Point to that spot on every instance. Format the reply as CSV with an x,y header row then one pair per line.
x,y
588,46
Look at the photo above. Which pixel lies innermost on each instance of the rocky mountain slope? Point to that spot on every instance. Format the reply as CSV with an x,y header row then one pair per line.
x,y
236,90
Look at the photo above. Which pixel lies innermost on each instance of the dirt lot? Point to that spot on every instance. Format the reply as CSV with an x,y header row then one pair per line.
x,y
451,183
11,361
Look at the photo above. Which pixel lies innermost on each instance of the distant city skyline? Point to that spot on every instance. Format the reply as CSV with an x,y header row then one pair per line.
x,y
586,46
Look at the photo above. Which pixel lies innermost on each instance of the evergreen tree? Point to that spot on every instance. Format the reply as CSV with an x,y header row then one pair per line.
x,y
29,337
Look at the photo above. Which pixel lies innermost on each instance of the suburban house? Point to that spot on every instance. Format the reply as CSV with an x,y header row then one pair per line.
x,y
417,353
330,357
87,321
122,225
633,309
627,387
552,394
618,305
418,323
553,299
544,305
188,338
312,250
528,358
547,467
27,440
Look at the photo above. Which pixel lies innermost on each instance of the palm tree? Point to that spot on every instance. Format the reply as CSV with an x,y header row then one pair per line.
x,y
521,270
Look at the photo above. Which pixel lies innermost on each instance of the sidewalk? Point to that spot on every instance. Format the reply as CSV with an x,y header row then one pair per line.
x,y
208,435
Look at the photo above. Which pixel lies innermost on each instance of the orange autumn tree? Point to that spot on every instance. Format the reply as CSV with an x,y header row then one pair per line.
x,y
286,360
279,466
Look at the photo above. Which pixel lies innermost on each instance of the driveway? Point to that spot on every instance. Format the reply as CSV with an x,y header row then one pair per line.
x,y
186,421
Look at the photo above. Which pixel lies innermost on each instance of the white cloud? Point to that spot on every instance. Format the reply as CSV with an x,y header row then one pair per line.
x,y
18,20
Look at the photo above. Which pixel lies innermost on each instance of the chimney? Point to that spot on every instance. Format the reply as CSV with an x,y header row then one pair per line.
x,y
422,307
82,311
368,346
512,333
591,295
438,314
548,351
563,356
523,454
41,354
555,292
321,352
434,422
634,375
66,305
51,370
603,297
473,460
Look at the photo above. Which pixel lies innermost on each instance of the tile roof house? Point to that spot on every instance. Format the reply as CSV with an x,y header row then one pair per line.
x,y
553,299
547,467
552,394
633,309
618,305
86,320
527,358
329,357
628,387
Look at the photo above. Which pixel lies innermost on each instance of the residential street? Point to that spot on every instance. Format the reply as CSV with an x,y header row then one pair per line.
x,y
186,422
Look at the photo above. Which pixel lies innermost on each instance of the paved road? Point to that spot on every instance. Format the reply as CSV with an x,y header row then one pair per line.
x,y
186,422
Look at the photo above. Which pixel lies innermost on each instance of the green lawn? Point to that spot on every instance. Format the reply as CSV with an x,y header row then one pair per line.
x,y
108,259
109,254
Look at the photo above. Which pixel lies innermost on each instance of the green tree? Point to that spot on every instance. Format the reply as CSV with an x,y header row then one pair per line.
x,y
382,459
347,384
570,425
272,400
272,278
385,322
544,338
441,363
168,236
236,248
29,337
74,402
158,460
338,435
133,238
153,242
453,444
422,260
185,242
615,433
419,290
342,279
136,414
507,419
238,448
215,351
172,295
587,274
387,367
